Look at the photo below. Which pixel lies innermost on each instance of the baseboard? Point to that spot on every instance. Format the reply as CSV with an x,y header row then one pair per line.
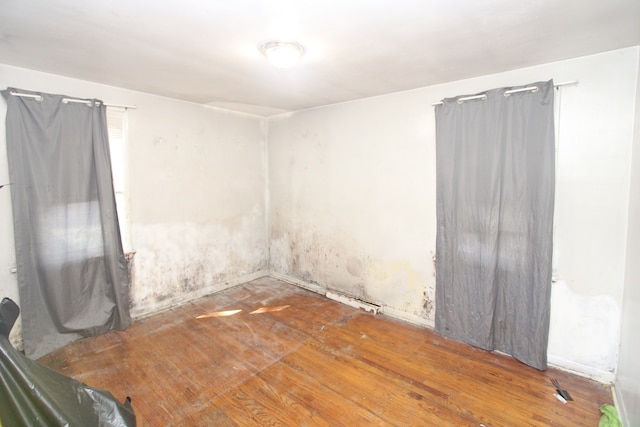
x,y
341,298
407,317
618,402
314,287
354,302
146,311
599,375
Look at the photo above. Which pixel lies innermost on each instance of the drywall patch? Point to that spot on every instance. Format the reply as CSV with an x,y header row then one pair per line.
x,y
584,330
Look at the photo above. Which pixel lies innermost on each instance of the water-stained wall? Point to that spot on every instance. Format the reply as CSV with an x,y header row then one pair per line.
x,y
352,190
352,199
342,198
197,188
196,192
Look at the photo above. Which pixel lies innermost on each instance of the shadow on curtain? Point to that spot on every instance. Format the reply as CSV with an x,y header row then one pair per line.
x,y
72,274
495,195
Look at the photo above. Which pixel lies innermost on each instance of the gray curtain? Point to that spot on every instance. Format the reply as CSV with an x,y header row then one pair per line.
x,y
495,194
72,274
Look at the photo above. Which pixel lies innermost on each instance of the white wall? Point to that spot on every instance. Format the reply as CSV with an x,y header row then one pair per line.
x,y
628,378
352,200
198,201
197,193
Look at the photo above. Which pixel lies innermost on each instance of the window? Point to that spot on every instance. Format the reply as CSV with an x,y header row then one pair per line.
x,y
117,125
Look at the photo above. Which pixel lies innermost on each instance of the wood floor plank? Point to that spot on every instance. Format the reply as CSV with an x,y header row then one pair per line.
x,y
440,368
269,353
319,397
365,387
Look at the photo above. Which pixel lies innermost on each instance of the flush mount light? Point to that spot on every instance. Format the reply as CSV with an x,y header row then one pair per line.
x,y
282,54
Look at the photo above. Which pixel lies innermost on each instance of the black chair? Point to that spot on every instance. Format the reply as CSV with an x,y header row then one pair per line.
x,y
9,312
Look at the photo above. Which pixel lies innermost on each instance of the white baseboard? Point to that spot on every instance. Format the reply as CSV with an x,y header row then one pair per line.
x,y
599,375
354,302
618,402
149,310
322,290
407,317
314,287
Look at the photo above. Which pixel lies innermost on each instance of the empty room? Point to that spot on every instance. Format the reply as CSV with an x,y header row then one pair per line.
x,y
319,213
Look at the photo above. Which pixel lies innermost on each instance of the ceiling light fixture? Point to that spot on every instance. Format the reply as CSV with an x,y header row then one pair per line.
x,y
282,54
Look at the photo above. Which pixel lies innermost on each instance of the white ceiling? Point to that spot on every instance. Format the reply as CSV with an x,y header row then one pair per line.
x,y
205,51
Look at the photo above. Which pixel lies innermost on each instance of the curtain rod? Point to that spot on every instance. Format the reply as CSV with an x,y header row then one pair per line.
x,y
68,100
509,92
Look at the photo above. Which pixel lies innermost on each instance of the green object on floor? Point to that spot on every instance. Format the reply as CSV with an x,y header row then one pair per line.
x,y
609,417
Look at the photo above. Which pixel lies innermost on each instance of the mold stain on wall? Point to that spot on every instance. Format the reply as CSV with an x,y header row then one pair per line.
x,y
428,307
340,265
310,257
177,261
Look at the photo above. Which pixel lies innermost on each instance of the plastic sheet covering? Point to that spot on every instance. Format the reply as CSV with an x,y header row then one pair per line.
x,y
34,395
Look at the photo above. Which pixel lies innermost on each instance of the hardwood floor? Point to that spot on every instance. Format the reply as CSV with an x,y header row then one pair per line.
x,y
304,360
